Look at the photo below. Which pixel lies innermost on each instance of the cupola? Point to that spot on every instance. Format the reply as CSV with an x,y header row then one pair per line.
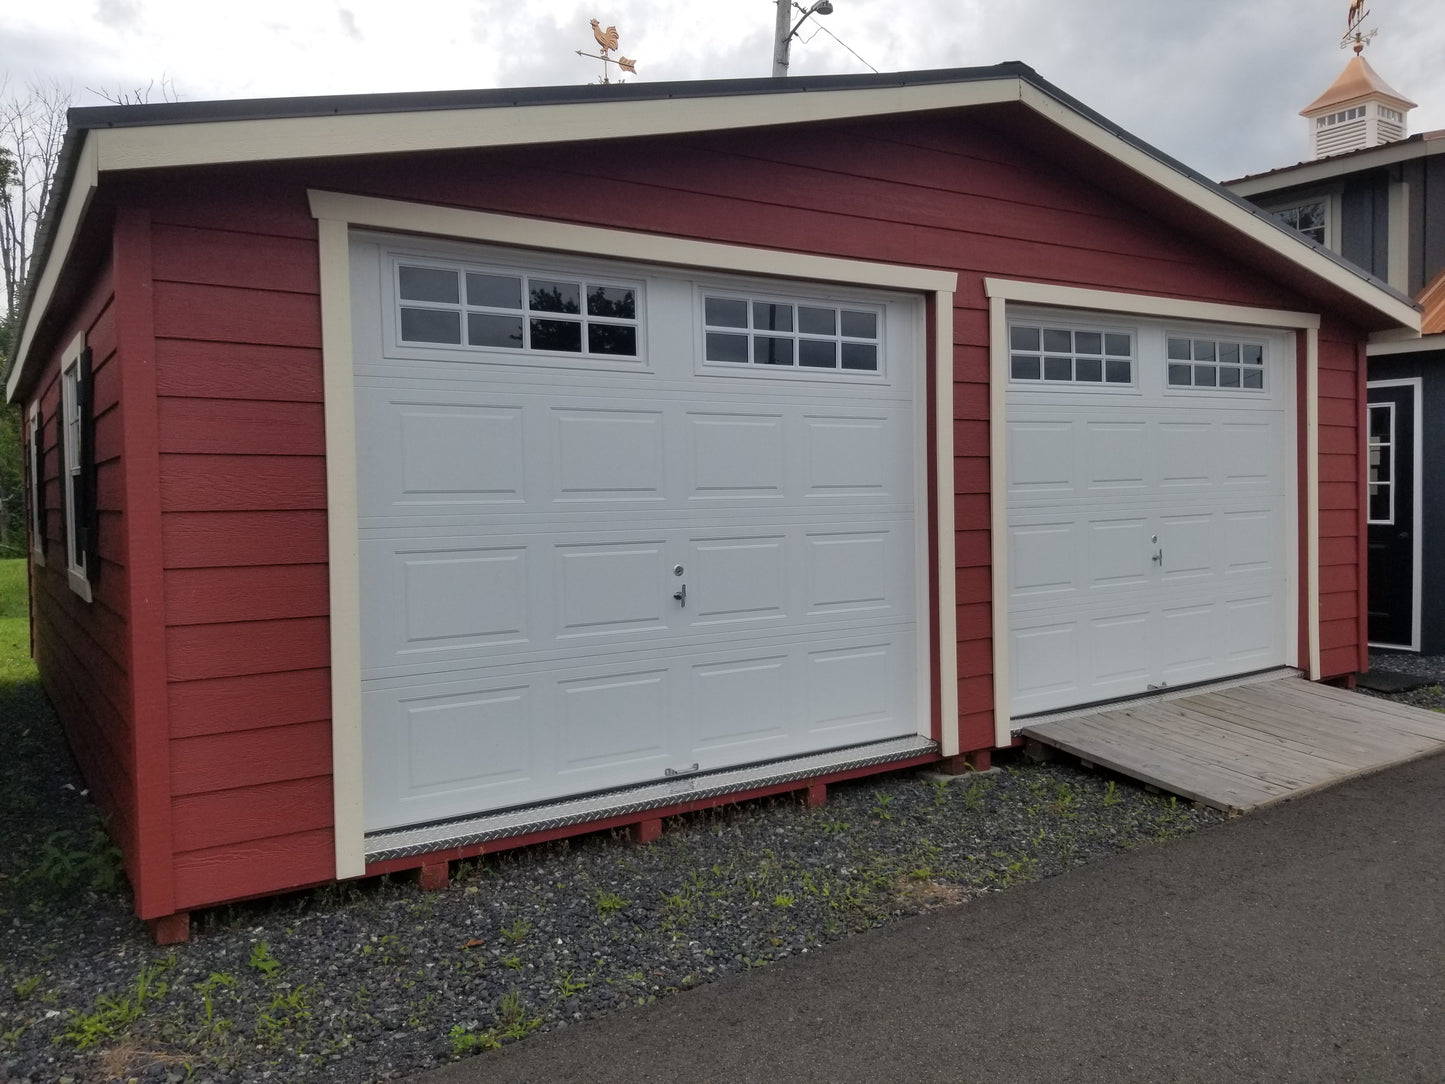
x,y
1359,110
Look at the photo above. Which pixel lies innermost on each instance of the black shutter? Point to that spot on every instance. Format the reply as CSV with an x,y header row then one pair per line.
x,y
61,472
37,478
86,513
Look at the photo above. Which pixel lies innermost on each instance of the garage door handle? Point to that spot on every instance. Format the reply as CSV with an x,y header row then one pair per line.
x,y
1158,558
681,595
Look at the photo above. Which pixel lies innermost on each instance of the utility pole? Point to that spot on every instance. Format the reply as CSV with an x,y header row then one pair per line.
x,y
783,35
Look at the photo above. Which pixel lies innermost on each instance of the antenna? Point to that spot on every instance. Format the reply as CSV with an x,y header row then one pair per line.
x,y
1353,35
607,42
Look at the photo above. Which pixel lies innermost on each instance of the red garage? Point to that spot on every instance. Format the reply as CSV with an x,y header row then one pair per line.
x,y
420,475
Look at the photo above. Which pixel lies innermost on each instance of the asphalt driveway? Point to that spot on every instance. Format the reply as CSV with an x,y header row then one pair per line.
x,y
1301,943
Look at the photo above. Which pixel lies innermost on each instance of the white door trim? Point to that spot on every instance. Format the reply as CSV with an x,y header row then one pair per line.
x,y
338,213
1000,293
1417,489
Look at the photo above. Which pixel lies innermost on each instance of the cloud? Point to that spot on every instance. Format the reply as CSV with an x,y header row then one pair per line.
x,y
119,14
348,24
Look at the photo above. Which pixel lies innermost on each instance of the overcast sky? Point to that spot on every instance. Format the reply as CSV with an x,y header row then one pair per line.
x,y
1216,83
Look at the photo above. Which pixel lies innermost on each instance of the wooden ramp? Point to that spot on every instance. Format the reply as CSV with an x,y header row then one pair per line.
x,y
1238,747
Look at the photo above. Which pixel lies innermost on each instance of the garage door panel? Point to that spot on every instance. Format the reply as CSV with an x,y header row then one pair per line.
x,y
431,752
1247,450
737,580
852,573
612,589
1119,552
608,455
1041,459
1185,454
613,727
1119,645
1188,547
1116,457
849,456
736,456
851,692
744,707
1250,541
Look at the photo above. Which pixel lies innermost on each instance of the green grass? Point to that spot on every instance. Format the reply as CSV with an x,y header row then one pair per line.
x,y
15,664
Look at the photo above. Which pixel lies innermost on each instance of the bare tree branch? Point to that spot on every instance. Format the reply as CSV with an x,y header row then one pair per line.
x,y
32,129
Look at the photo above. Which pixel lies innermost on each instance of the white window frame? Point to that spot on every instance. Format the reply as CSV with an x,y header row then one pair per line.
x,y
790,295
1372,445
1044,320
71,468
1330,197
36,489
453,258
1206,334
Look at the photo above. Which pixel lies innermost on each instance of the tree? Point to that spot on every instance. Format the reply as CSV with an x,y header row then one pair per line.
x,y
32,129
12,473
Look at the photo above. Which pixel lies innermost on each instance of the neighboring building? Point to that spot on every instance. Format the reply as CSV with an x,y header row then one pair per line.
x,y
1376,195
419,475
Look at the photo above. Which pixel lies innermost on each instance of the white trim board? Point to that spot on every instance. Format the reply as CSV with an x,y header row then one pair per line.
x,y
1001,293
156,146
1383,347
337,214
1417,547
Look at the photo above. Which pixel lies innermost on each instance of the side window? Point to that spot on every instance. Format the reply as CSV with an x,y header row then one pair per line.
x,y
1382,463
77,463
35,466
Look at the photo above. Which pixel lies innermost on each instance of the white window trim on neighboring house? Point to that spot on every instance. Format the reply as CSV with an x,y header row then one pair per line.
x,y
35,459
73,431
1329,197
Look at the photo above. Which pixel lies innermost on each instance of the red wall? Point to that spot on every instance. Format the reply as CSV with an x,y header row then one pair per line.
x,y
232,311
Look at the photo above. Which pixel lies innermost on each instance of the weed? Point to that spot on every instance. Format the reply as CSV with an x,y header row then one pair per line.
x,y
287,1012
466,1042
517,931
882,801
609,903
1064,798
25,987
115,1014
1111,794
513,963
67,864
940,790
567,986
262,960
784,899
973,798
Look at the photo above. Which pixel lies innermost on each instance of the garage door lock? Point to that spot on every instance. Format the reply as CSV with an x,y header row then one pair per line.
x,y
681,595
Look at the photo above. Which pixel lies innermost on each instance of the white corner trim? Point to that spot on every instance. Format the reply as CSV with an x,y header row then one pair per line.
x,y
1312,496
82,189
998,513
342,523
1208,199
947,596
521,232
1397,243
1074,297
413,131
34,481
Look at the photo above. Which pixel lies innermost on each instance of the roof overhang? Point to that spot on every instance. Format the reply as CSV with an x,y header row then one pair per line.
x,y
112,140
1420,145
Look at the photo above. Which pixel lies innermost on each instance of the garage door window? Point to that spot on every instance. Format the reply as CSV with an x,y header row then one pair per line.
x,y
1215,363
489,309
1065,355
816,336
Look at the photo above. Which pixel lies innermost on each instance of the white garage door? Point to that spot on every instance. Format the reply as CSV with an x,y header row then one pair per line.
x,y
1149,512
618,525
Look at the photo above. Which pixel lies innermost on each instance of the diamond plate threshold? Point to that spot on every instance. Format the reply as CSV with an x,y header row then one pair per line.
x,y
406,842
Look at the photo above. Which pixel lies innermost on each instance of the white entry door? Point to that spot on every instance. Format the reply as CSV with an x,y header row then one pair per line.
x,y
617,525
1149,505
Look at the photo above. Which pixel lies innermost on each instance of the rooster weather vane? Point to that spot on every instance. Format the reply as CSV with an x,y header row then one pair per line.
x,y
1353,35
607,42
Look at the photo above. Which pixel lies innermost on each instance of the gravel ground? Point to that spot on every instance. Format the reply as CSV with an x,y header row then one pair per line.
x,y
378,980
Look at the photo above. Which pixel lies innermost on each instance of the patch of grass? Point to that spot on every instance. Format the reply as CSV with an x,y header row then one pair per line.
x,y
113,1015
15,663
609,903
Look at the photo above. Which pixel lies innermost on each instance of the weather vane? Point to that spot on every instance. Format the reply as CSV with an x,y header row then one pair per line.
x,y
1353,35
607,41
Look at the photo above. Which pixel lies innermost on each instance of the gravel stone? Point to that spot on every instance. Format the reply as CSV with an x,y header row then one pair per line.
x,y
378,980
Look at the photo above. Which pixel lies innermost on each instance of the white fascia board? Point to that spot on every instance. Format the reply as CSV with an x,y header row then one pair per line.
x,y
82,190
1328,169
401,216
1219,207
1384,346
282,138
